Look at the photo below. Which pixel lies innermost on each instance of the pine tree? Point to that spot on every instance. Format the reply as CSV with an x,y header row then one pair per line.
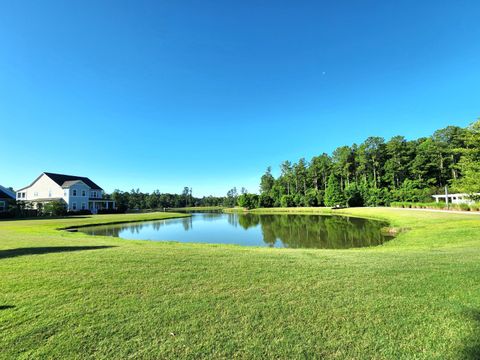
x,y
333,194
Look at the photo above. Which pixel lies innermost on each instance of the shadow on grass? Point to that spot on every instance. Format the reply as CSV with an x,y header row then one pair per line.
x,y
46,218
6,307
9,253
472,350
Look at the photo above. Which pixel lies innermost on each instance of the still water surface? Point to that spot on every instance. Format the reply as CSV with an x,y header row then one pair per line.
x,y
290,231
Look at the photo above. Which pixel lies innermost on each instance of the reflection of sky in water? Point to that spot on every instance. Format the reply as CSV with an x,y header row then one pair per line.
x,y
296,231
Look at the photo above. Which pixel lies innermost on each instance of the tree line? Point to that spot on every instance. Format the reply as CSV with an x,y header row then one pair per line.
x,y
137,200
377,172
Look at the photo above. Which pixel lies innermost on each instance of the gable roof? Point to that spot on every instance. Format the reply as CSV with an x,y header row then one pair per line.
x,y
61,179
69,183
6,193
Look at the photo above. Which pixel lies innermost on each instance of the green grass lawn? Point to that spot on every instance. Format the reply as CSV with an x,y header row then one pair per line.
x,y
70,295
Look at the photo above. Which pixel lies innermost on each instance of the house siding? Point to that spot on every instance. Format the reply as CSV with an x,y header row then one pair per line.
x,y
43,188
77,199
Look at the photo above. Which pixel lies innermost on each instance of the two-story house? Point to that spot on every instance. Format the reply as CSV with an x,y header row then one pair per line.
x,y
78,192
7,197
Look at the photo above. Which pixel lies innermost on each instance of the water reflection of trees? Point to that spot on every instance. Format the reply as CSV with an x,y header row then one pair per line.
x,y
135,228
293,231
304,231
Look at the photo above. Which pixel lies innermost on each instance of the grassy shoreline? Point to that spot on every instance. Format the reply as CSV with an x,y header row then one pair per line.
x,y
70,295
198,208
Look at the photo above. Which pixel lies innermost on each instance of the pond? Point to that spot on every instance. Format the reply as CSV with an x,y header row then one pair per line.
x,y
279,230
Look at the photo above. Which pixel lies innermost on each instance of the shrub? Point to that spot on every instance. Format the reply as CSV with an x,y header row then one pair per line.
x,y
439,205
7,215
248,201
78,212
464,207
265,201
311,198
287,201
55,208
299,200
475,207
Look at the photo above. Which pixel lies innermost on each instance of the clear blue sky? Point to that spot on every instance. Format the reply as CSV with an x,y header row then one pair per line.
x,y
207,94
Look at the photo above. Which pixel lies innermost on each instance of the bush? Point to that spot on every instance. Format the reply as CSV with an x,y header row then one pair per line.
x,y
287,201
265,201
475,207
311,198
55,208
353,196
439,205
78,212
464,207
299,200
248,201
7,215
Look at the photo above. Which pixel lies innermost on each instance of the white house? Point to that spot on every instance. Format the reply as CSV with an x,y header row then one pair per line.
x,y
454,198
78,193
7,196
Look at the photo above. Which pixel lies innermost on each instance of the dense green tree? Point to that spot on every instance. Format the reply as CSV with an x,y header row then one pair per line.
x,y
267,181
318,171
287,201
378,172
300,176
343,161
333,194
265,201
55,208
248,201
287,176
372,155
469,163
398,159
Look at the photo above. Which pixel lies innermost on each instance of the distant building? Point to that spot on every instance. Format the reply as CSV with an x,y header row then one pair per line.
x,y
78,193
455,198
7,197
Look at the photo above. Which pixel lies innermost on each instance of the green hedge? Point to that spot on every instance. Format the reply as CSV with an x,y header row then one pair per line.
x,y
437,206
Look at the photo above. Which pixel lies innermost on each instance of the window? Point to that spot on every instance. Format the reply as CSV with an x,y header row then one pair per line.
x,y
74,206
23,195
74,192
49,192
84,193
94,194
2,206
84,206
35,193
19,195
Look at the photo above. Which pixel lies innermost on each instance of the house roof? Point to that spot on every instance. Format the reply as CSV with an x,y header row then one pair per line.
x,y
6,193
61,179
69,183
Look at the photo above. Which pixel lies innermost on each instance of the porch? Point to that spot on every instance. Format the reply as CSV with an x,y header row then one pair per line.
x,y
94,205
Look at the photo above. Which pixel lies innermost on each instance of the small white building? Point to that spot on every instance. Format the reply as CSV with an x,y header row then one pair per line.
x,y
78,192
454,198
